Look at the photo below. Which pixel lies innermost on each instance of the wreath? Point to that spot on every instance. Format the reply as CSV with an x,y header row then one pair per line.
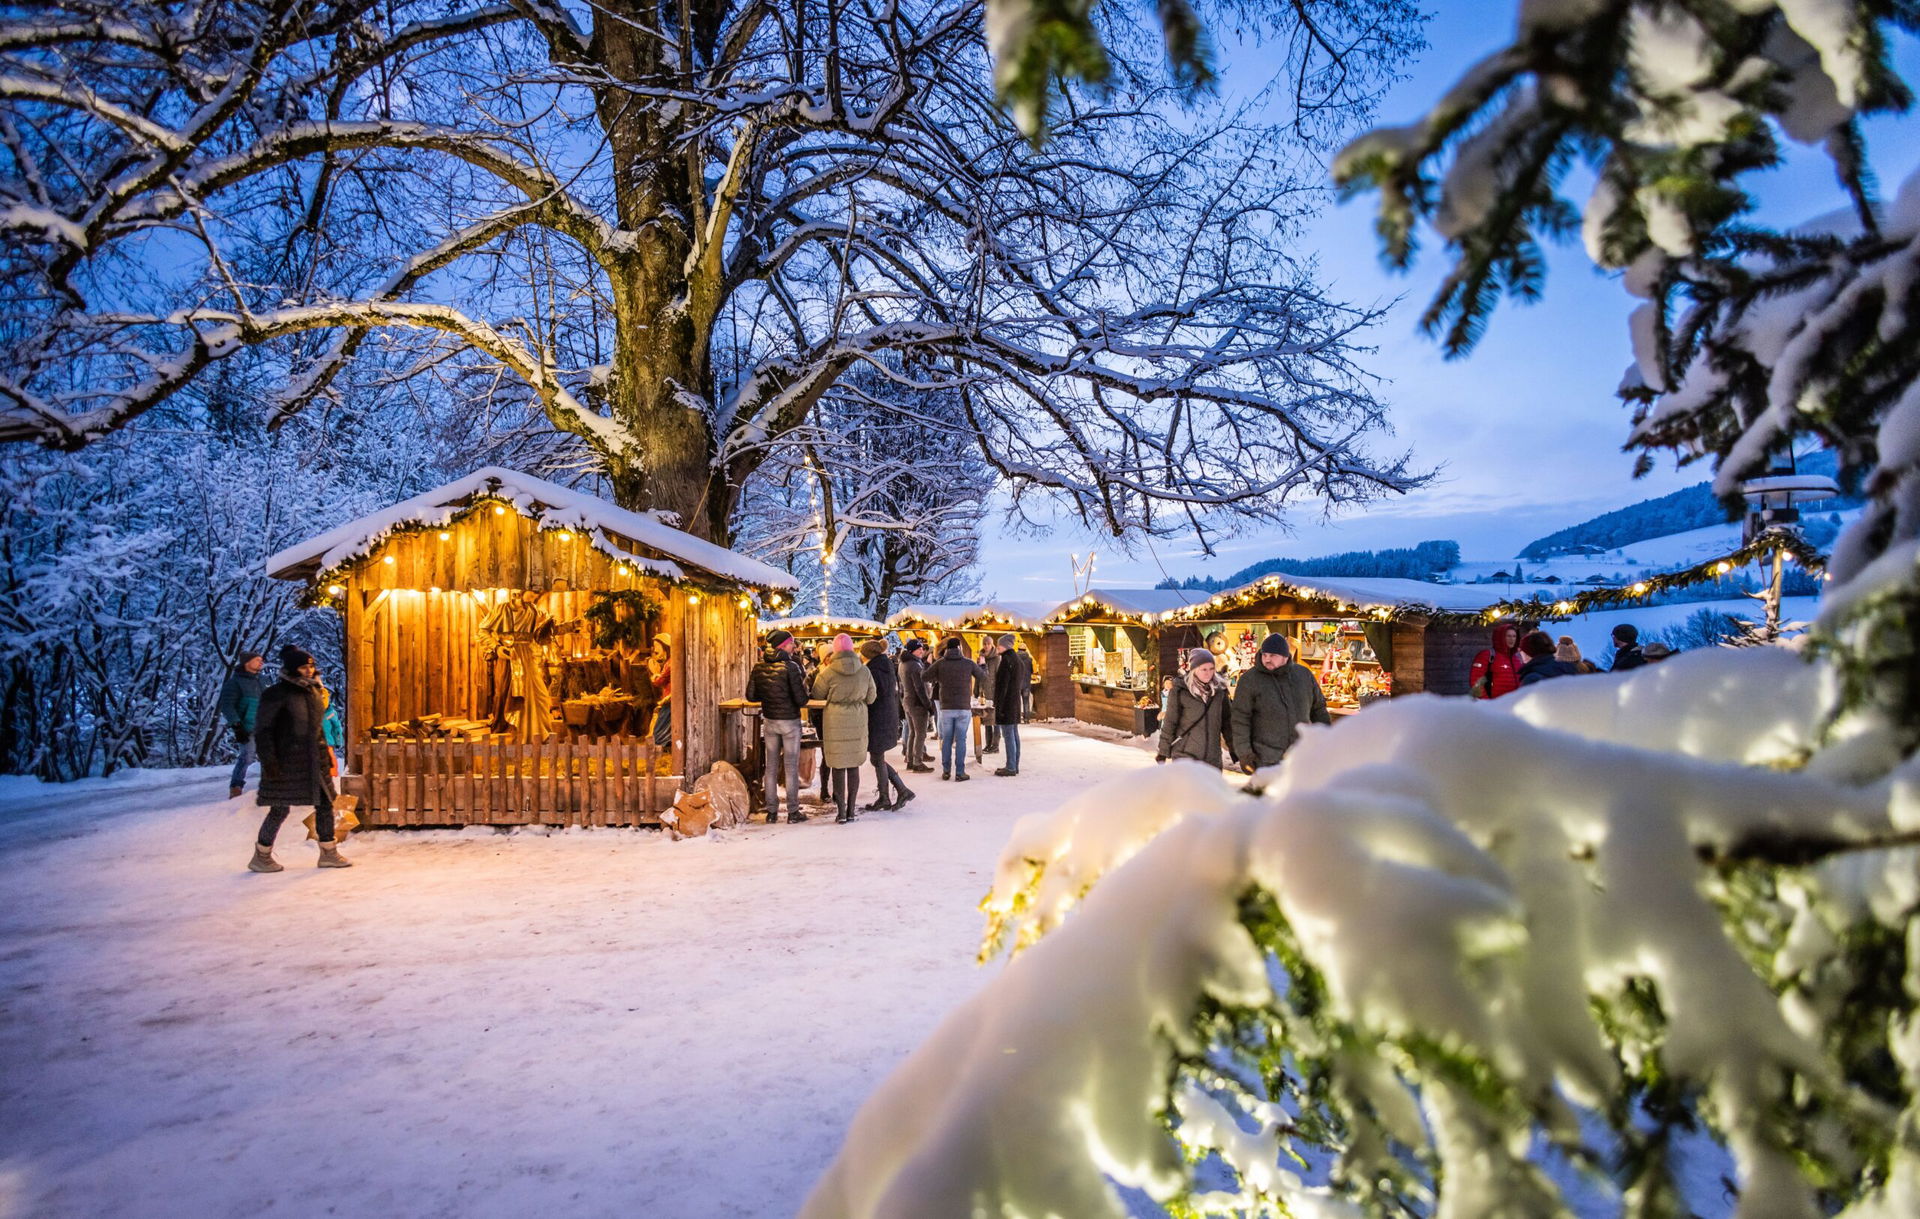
x,y
611,629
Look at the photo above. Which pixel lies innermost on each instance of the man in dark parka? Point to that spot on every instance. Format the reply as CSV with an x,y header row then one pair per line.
x,y
294,770
1273,699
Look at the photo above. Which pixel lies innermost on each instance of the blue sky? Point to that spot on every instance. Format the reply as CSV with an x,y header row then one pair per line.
x,y
1525,431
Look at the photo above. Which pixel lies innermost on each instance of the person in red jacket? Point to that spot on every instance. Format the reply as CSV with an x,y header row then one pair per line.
x,y
1499,665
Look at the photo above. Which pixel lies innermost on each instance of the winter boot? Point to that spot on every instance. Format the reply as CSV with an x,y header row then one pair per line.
x,y
961,777
1003,772
330,857
263,860
879,805
233,793
900,797
795,818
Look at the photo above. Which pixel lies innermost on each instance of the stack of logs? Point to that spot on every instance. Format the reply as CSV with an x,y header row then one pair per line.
x,y
432,728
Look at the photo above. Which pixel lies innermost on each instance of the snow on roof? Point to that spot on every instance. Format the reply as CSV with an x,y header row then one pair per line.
x,y
550,506
1358,593
823,624
1028,615
1138,601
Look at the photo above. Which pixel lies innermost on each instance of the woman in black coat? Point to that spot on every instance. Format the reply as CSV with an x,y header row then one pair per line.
x,y
294,762
883,725
1195,725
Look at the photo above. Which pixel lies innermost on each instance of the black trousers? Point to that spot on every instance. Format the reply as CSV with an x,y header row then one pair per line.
x,y
884,773
846,788
322,819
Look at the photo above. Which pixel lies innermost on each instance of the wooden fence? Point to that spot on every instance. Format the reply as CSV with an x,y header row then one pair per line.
x,y
491,783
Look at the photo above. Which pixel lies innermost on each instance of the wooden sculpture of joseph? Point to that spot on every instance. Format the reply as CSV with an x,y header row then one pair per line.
x,y
516,631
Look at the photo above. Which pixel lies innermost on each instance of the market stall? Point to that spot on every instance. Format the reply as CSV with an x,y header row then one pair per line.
x,y
976,622
1364,638
1115,653
507,640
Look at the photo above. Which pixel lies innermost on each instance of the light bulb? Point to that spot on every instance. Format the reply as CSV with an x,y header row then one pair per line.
x,y
445,536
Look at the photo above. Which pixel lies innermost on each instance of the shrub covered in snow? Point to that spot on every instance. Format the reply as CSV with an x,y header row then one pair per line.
x,y
1564,953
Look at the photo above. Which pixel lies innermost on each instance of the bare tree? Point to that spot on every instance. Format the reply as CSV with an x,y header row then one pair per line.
x,y
679,225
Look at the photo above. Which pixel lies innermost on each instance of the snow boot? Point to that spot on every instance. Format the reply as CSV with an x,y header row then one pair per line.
x,y
233,793
961,777
1003,772
878,806
795,818
900,797
330,857
263,860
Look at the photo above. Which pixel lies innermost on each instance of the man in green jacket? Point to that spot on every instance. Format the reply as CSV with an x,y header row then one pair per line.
x,y
1273,699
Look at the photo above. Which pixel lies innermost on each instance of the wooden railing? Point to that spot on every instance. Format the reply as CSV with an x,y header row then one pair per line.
x,y
491,783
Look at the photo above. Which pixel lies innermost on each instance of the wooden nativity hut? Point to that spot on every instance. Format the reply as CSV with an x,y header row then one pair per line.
x,y
506,642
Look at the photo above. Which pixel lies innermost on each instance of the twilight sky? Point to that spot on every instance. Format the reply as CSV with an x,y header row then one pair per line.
x,y
1525,431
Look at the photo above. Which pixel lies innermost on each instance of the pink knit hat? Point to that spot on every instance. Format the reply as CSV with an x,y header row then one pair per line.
x,y
843,642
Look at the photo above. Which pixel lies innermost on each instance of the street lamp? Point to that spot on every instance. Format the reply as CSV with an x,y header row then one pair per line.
x,y
1771,500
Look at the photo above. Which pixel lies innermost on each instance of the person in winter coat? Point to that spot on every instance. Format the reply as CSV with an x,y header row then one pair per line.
x,y
289,736
1496,670
779,685
1010,680
1541,662
239,706
1195,725
1566,651
1626,648
1656,652
847,688
990,661
916,700
883,726
952,678
1273,699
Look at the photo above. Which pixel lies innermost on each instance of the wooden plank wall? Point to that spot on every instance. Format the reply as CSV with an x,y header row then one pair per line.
x,y
493,551
444,783
710,673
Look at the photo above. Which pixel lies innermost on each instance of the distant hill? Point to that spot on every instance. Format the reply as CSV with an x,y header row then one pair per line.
x,y
1689,508
1426,561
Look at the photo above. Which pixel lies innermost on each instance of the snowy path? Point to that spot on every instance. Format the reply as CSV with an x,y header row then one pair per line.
x,y
473,1024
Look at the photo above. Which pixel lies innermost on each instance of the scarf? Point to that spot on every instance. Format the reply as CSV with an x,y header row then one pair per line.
x,y
1207,691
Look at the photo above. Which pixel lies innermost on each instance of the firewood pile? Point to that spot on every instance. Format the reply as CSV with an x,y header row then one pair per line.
x,y
433,727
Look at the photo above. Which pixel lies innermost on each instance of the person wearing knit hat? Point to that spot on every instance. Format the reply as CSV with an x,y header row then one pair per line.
x,y
1273,699
1542,664
916,703
289,733
779,685
239,706
1566,651
1626,648
883,726
1195,725
844,684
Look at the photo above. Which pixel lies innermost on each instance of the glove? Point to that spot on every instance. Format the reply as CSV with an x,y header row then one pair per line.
x,y
240,735
1157,758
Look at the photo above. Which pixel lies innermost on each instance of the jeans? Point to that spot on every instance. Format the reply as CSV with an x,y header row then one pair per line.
x,y
241,763
953,741
1010,737
916,737
781,739
322,819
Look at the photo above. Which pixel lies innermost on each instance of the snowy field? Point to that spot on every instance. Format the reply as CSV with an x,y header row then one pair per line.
x,y
1594,632
470,1024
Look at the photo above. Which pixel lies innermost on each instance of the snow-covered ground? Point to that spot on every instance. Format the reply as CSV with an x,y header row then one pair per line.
x,y
470,1024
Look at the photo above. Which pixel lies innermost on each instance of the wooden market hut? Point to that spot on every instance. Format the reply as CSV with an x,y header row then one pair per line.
x,y
977,621
809,629
418,585
1116,653
1368,637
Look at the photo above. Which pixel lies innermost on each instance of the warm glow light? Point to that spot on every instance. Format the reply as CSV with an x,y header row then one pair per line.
x,y
1565,607
1722,568
1640,588
499,511
334,590
388,560
445,536
620,571
693,598
565,536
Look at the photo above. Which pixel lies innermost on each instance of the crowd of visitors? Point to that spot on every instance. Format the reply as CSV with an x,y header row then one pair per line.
x,y
1512,660
864,700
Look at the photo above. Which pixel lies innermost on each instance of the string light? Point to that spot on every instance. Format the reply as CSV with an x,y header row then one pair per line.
x,y
445,536
334,590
